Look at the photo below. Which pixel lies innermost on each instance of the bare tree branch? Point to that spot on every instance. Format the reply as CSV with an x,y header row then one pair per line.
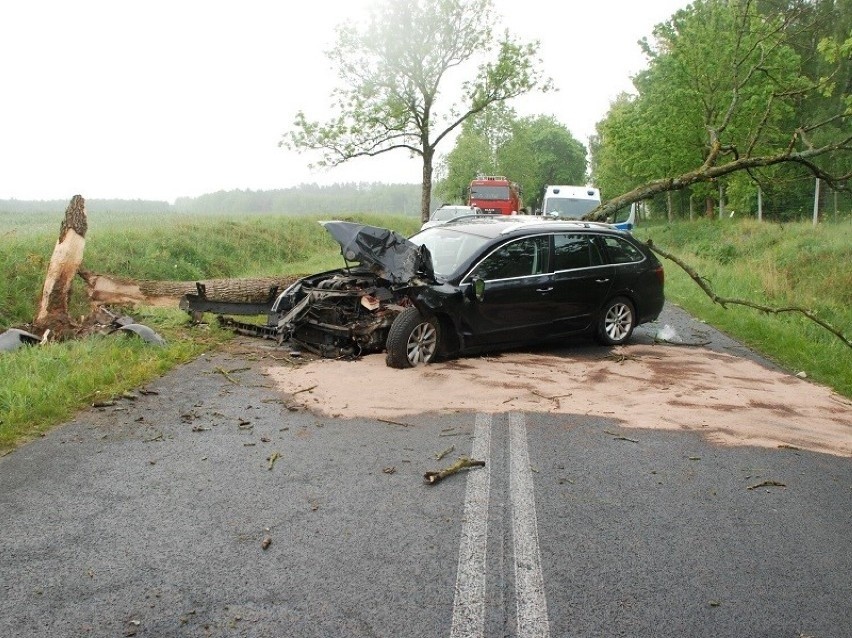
x,y
725,301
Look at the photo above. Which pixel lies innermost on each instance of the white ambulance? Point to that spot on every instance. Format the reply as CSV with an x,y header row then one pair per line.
x,y
572,202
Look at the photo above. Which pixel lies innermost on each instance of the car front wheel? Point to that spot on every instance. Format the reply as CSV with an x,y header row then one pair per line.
x,y
616,322
412,339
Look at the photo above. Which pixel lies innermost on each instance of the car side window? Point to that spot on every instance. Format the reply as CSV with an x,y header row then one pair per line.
x,y
520,258
621,251
575,251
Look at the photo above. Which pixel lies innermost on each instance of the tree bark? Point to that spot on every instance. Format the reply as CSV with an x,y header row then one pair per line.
x,y
108,289
426,190
67,256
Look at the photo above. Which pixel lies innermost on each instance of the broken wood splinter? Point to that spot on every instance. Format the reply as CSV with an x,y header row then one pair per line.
x,y
463,463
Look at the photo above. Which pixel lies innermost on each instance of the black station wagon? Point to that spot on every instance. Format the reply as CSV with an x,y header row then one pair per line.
x,y
471,286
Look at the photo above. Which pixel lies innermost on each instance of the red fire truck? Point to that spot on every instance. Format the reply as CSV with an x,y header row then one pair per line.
x,y
495,194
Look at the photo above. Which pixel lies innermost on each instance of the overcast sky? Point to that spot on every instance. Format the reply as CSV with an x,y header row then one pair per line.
x,y
168,98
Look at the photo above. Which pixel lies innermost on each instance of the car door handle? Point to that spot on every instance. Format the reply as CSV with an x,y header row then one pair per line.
x,y
601,281
544,289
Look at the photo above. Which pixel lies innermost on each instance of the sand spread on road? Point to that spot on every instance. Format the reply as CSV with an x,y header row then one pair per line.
x,y
729,399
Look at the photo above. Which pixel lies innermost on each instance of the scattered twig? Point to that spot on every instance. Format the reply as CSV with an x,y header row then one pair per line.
x,y
272,458
391,422
619,437
441,455
555,397
766,484
159,437
785,446
463,463
724,301
305,389
225,374
683,343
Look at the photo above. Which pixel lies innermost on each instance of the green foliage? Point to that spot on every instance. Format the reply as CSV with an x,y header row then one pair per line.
x,y
773,265
475,152
393,73
733,85
532,151
542,151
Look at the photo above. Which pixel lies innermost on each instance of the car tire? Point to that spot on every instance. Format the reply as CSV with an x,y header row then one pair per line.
x,y
412,340
616,322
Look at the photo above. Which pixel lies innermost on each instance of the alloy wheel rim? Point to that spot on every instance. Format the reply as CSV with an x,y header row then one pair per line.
x,y
618,322
421,344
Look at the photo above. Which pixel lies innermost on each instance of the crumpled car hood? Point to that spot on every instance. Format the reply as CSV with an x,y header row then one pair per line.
x,y
385,252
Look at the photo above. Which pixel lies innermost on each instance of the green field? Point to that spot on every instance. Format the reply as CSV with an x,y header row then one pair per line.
x,y
775,265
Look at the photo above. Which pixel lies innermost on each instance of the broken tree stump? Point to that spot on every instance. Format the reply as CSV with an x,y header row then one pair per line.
x,y
67,256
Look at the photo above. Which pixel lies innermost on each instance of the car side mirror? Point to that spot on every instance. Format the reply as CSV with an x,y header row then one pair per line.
x,y
479,288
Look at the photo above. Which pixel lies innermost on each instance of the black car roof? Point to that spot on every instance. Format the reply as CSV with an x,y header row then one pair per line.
x,y
491,226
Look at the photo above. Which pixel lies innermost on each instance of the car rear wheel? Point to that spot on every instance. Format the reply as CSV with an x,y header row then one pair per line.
x,y
412,339
616,322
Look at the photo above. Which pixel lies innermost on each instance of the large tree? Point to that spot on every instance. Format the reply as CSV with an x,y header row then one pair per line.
x,y
397,75
531,151
542,151
475,151
724,95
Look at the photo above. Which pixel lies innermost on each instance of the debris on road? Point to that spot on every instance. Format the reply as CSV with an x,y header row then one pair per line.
x,y
441,455
225,374
391,422
463,463
14,338
766,484
272,458
619,437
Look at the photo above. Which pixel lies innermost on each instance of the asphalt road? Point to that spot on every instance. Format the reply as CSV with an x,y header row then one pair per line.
x,y
149,518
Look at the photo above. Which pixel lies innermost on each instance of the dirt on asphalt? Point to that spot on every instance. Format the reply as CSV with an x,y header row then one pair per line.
x,y
713,388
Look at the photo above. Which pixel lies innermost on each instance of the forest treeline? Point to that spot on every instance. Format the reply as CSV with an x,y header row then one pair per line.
x,y
397,199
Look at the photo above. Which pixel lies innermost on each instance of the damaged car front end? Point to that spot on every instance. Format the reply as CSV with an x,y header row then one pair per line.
x,y
349,311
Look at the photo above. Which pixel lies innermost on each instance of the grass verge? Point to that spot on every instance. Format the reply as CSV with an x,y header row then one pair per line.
x,y
43,386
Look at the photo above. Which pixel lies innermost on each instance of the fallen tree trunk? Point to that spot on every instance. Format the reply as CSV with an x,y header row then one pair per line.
x,y
109,289
66,259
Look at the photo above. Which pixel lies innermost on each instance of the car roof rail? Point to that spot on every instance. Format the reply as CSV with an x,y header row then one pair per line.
x,y
577,223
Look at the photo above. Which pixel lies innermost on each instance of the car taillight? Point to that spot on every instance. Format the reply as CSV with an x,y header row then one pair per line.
x,y
661,274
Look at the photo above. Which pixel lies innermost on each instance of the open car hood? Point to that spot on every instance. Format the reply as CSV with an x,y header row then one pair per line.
x,y
385,252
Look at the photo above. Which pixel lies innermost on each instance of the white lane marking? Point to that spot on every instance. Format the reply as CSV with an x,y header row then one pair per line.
x,y
529,582
469,603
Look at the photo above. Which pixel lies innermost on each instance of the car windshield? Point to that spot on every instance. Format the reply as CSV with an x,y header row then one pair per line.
x,y
490,192
448,247
570,207
445,214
